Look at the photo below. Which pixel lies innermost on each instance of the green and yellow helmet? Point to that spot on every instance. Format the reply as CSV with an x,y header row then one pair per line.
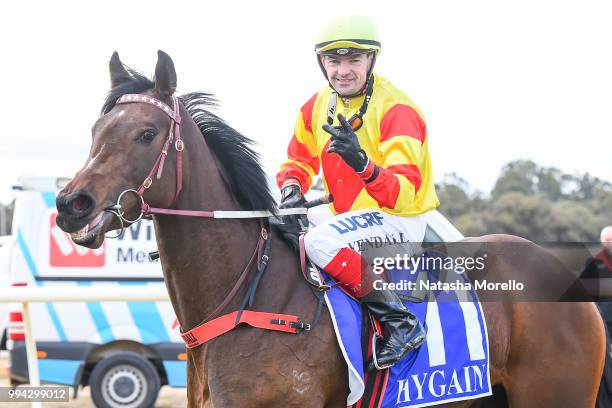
x,y
345,35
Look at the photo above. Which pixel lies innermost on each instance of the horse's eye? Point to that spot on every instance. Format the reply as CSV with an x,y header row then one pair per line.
x,y
147,136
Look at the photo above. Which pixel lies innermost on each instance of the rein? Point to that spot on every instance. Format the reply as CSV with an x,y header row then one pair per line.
x,y
212,326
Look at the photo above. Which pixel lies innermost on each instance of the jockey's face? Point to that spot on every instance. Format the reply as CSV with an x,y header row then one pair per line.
x,y
347,74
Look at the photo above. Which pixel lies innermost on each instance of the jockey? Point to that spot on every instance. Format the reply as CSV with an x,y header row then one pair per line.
x,y
370,140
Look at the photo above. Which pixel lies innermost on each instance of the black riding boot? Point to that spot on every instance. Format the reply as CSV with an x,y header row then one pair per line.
x,y
404,332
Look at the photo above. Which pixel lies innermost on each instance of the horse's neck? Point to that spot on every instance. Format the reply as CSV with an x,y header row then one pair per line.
x,y
202,257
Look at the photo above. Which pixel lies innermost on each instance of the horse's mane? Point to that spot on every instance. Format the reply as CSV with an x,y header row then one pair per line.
x,y
240,163
233,150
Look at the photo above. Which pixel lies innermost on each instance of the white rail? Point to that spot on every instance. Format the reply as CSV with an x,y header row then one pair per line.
x,y
26,295
142,293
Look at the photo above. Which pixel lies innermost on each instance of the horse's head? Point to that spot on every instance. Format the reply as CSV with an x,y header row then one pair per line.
x,y
126,142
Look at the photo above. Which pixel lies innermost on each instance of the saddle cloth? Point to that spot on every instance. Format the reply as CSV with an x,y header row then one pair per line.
x,y
451,365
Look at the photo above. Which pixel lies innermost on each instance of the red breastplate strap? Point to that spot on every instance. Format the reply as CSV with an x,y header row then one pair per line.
x,y
223,324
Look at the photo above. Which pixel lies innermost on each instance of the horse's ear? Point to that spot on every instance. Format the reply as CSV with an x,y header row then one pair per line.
x,y
118,73
165,75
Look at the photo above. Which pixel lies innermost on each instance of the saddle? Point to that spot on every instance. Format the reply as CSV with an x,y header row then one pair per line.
x,y
374,383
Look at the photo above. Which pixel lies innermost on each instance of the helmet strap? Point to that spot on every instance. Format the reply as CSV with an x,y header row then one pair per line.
x,y
369,75
356,121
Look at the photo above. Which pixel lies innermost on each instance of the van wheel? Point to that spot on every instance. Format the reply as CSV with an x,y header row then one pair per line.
x,y
124,380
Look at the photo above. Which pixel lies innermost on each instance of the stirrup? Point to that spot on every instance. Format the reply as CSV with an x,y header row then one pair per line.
x,y
413,345
375,337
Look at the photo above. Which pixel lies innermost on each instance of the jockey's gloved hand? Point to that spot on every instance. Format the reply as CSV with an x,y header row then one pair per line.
x,y
345,143
291,195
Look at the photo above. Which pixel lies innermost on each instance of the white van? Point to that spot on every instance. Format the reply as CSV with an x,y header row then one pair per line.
x,y
123,350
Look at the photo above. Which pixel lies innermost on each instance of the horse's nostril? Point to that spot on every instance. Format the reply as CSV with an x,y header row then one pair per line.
x,y
80,203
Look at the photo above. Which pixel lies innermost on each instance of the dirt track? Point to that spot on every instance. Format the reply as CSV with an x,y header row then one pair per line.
x,y
168,397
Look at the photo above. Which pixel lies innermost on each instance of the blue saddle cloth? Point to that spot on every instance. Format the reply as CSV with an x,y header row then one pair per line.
x,y
452,364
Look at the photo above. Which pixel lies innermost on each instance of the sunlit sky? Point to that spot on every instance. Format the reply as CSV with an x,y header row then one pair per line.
x,y
496,81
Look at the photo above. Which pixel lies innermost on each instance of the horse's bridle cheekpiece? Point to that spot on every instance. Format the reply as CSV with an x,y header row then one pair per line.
x,y
174,135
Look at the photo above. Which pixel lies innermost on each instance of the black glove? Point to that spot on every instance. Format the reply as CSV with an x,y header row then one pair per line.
x,y
344,142
291,197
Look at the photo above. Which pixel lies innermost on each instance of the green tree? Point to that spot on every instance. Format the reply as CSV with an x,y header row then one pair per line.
x,y
515,213
550,183
601,204
471,224
538,203
573,221
518,176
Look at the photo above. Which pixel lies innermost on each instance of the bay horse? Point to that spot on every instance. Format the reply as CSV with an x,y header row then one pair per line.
x,y
543,354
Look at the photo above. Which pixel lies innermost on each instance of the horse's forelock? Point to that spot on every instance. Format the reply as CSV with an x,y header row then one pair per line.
x,y
138,83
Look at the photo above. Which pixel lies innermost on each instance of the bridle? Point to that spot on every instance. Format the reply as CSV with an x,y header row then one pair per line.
x,y
174,139
260,256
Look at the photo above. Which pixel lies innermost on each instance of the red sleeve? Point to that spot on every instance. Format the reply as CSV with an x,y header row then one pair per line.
x,y
302,160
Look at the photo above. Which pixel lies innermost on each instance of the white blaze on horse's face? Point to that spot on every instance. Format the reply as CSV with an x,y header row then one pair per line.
x,y
98,147
125,140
